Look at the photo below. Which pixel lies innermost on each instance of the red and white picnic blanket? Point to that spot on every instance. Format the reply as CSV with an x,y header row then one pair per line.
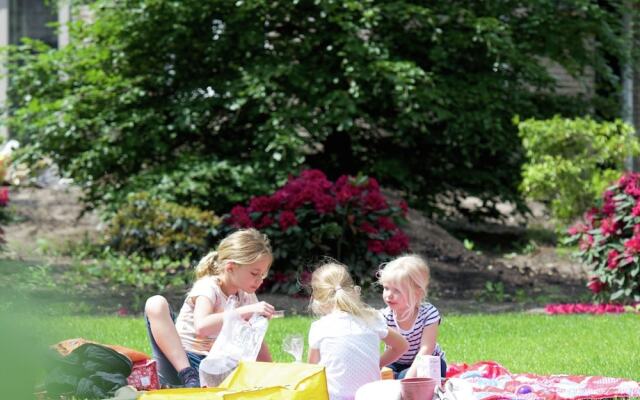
x,y
491,381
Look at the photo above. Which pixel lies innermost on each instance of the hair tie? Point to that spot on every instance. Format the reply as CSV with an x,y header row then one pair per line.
x,y
338,288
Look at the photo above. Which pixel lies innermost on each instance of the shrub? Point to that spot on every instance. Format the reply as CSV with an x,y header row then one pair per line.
x,y
140,272
154,228
571,161
310,217
609,242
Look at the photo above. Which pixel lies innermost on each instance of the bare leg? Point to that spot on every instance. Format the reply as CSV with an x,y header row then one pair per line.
x,y
164,332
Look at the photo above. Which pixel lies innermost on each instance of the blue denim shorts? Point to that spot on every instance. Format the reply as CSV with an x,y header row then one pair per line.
x,y
400,370
167,374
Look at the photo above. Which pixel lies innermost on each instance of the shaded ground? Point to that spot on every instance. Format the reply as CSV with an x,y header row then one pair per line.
x,y
492,273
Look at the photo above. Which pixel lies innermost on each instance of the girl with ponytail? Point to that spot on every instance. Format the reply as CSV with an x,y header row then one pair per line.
x,y
237,268
346,339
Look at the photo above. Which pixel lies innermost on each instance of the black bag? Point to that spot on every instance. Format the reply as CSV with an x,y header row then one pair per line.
x,y
91,371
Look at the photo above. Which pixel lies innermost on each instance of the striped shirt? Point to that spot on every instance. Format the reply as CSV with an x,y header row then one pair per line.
x,y
427,315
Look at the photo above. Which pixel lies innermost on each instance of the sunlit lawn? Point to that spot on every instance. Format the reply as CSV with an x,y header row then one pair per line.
x,y
606,345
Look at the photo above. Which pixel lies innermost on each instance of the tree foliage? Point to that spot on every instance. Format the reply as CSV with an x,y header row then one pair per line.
x,y
210,102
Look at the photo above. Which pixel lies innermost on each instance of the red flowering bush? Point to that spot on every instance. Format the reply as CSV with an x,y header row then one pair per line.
x,y
311,217
609,242
4,214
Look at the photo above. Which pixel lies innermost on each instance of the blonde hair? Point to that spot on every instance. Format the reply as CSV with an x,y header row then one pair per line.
x,y
411,274
333,289
242,247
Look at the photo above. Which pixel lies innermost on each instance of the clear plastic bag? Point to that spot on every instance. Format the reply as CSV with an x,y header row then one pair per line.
x,y
238,340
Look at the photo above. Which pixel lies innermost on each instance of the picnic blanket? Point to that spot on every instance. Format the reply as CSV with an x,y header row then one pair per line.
x,y
491,381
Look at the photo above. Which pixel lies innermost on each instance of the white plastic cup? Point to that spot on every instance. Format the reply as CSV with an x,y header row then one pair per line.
x,y
428,366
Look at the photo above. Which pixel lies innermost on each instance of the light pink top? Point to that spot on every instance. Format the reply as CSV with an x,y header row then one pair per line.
x,y
209,287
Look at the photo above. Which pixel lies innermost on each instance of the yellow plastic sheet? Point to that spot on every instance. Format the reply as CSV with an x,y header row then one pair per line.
x,y
258,380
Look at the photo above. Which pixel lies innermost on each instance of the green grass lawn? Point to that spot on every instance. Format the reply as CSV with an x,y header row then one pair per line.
x,y
607,345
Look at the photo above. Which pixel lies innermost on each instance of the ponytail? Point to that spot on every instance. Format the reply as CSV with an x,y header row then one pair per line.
x,y
333,288
208,265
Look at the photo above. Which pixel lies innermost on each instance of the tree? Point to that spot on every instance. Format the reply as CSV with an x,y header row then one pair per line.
x,y
209,102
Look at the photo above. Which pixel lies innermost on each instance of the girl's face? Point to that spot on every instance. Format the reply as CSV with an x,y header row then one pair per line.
x,y
394,296
249,277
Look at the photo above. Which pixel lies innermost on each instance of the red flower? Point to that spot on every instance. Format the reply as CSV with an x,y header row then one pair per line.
x,y
396,244
595,284
264,204
373,184
346,193
375,246
387,224
240,218
636,209
404,207
287,219
4,197
368,228
612,259
324,203
265,221
374,201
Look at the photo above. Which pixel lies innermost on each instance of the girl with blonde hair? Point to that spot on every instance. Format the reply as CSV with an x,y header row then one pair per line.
x,y
346,339
237,268
405,282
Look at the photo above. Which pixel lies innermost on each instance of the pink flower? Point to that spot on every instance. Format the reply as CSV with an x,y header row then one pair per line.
x,y
595,284
375,246
612,259
586,242
590,215
576,229
287,219
4,197
632,246
608,227
636,209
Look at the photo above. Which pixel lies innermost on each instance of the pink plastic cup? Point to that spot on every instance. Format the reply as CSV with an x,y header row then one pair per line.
x,y
418,388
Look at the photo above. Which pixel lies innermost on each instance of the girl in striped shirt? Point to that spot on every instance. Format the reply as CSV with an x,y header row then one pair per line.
x,y
405,281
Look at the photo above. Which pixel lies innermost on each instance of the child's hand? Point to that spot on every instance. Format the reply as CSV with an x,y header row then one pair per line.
x,y
262,308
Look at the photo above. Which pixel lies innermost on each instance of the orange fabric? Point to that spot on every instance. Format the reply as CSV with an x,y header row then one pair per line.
x,y
67,346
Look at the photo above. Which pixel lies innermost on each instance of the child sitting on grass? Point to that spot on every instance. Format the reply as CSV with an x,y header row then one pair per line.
x,y
237,268
405,281
346,339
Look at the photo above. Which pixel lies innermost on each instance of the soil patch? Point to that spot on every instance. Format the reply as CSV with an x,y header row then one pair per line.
x,y
48,220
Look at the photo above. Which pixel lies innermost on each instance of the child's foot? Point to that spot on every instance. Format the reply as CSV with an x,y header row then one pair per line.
x,y
189,377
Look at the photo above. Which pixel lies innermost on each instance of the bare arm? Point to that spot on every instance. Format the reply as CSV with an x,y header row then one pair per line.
x,y
396,346
208,322
313,356
427,345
